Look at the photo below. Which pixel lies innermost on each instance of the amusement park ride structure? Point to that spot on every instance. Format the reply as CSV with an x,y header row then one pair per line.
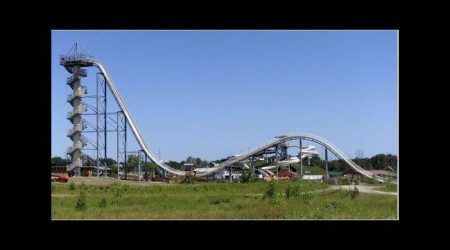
x,y
75,63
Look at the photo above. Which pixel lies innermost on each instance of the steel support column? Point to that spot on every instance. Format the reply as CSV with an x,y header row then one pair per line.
x,y
125,148
96,126
253,166
326,162
139,165
118,149
105,117
301,158
276,160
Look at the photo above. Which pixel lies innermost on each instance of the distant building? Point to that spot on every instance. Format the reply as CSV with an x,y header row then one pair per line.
x,y
188,166
313,177
333,174
382,173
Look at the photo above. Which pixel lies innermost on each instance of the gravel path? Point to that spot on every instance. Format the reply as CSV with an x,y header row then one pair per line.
x,y
364,189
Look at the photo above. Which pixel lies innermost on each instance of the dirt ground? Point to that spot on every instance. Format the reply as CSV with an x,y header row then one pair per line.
x,y
107,181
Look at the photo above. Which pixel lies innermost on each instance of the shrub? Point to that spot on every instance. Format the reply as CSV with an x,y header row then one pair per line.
x,y
81,203
72,186
103,203
344,181
352,193
245,176
369,180
271,191
248,177
292,192
189,180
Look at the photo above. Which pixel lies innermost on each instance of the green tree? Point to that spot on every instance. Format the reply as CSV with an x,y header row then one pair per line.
x,y
174,164
190,159
58,161
132,163
198,162
109,161
150,166
379,161
315,160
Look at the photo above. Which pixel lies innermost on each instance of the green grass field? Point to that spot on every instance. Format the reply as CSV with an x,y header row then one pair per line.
x,y
313,170
389,187
308,200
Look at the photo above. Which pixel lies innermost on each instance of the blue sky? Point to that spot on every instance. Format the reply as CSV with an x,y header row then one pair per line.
x,y
214,93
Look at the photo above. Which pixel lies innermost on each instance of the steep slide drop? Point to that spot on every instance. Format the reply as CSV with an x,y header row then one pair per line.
x,y
145,148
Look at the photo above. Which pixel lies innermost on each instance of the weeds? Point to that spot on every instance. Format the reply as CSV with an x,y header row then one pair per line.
x,y
72,186
306,198
117,194
81,203
271,191
219,201
102,203
190,180
292,192
352,193
332,205
275,201
216,200
248,177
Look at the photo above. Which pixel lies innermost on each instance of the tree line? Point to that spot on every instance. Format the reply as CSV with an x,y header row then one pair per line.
x,y
379,162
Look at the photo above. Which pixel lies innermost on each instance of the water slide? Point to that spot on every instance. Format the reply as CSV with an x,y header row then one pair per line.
x,y
89,61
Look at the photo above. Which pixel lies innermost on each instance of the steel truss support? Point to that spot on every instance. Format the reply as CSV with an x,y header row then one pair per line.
x,y
100,112
121,131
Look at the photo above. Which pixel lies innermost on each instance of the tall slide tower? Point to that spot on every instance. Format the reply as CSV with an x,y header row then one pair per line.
x,y
74,66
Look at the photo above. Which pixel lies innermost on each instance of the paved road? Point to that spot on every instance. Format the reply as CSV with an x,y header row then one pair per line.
x,y
364,189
